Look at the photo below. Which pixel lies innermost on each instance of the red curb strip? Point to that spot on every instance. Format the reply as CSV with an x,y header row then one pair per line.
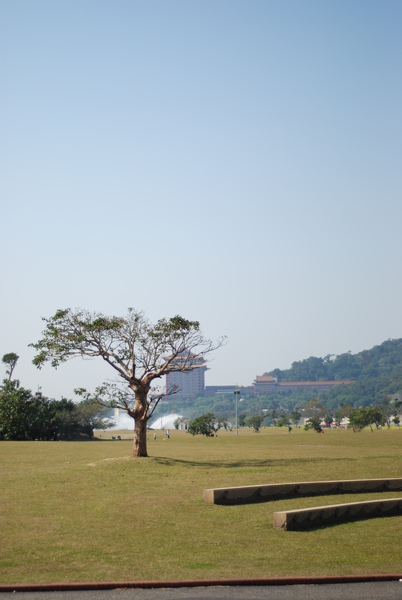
x,y
64,587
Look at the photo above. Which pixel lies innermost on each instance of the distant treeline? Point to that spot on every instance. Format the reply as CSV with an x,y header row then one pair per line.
x,y
27,416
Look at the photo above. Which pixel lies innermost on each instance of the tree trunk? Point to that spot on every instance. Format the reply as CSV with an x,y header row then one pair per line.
x,y
140,426
140,437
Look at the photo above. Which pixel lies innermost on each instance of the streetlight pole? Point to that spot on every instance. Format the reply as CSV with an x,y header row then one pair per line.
x,y
236,393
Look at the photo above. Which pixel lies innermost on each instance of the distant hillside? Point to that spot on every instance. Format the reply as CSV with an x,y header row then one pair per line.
x,y
380,361
377,372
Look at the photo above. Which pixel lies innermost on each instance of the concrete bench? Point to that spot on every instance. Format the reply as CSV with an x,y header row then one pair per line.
x,y
318,516
276,491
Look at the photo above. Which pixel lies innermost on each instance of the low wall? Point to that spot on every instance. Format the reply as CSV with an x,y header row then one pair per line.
x,y
318,516
276,491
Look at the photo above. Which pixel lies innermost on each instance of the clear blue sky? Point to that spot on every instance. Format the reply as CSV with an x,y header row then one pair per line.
x,y
235,162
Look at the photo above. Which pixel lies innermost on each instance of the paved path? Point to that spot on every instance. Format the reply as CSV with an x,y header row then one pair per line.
x,y
384,590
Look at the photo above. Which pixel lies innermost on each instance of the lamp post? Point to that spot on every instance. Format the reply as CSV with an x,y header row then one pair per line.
x,y
236,393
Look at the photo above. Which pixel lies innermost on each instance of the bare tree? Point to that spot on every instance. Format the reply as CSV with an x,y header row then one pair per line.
x,y
138,351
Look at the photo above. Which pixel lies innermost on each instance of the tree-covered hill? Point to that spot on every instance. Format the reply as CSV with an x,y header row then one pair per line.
x,y
377,374
381,361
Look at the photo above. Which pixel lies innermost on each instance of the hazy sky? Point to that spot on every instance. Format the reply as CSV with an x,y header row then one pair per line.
x,y
237,162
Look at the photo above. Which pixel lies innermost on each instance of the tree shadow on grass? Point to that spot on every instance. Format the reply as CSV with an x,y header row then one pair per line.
x,y
245,464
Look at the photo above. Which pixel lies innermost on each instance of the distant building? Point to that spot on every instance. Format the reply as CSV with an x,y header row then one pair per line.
x,y
191,384
218,390
266,384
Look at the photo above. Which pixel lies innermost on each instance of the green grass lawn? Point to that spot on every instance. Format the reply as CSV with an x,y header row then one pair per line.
x,y
86,511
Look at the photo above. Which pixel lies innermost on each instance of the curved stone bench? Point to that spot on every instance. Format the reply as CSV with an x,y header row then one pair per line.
x,y
318,516
276,491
